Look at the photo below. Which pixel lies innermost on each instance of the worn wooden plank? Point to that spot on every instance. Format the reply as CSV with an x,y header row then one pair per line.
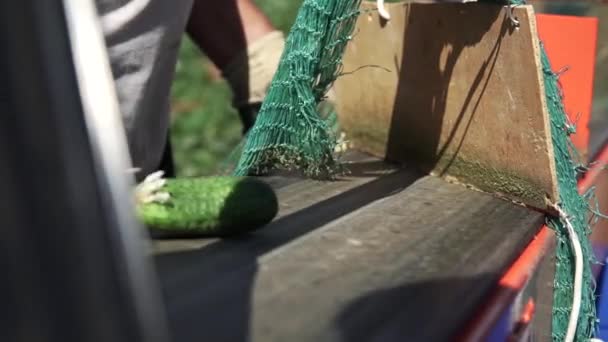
x,y
456,90
296,194
383,261
304,207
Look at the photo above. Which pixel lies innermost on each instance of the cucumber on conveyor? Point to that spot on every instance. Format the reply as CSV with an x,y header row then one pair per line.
x,y
210,206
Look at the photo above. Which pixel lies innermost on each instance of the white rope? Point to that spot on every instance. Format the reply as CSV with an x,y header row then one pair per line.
x,y
382,10
578,276
512,16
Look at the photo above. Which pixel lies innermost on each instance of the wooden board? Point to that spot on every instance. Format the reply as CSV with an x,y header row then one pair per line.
x,y
455,90
296,195
383,254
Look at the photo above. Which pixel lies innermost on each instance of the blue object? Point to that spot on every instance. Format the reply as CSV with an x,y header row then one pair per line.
x,y
501,330
602,298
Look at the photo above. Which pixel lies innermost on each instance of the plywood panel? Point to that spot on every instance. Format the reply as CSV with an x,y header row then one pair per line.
x,y
455,90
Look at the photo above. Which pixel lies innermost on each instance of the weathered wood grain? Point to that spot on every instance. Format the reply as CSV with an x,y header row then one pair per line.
x,y
456,90
381,256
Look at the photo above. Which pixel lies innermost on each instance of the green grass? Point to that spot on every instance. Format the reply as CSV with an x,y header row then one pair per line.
x,y
206,128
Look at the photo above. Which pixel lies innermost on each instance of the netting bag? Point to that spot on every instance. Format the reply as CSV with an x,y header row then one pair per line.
x,y
289,133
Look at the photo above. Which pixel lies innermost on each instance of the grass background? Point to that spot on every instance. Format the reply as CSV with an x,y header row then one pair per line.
x,y
206,128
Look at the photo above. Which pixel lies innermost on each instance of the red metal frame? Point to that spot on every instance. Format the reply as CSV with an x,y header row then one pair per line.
x,y
508,288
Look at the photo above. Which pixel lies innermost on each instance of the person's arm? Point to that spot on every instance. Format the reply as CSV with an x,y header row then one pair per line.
x,y
240,40
223,29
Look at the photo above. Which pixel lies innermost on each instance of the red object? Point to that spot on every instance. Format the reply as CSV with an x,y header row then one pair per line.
x,y
571,44
521,270
509,286
528,314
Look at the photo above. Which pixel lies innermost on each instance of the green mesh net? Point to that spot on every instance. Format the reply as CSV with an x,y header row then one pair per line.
x,y
576,206
289,133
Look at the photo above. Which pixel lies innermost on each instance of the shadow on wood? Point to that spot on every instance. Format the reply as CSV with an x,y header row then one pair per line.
x,y
456,91
355,322
208,290
425,76
342,250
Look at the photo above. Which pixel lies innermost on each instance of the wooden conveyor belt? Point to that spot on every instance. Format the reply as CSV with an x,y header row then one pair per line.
x,y
384,254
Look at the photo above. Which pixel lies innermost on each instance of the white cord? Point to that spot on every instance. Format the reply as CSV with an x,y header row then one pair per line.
x,y
382,10
511,15
578,276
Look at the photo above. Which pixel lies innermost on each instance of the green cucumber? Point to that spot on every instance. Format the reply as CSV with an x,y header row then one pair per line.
x,y
213,206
